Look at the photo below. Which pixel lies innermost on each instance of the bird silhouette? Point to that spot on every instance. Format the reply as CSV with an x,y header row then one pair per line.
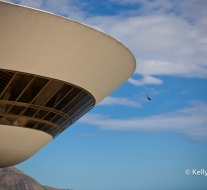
x,y
148,98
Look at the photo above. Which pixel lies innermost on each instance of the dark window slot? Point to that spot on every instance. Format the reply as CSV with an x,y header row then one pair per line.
x,y
74,102
56,118
31,124
68,98
16,87
40,114
16,110
29,112
58,95
39,126
79,105
48,91
33,89
49,116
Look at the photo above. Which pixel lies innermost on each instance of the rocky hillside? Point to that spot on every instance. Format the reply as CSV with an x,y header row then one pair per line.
x,y
12,178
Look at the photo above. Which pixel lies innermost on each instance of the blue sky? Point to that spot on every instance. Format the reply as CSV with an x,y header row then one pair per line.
x,y
127,142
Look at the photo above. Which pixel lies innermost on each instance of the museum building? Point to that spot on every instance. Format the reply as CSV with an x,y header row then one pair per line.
x,y
53,70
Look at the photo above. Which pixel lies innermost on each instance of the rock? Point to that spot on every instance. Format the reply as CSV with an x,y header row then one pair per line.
x,y
12,178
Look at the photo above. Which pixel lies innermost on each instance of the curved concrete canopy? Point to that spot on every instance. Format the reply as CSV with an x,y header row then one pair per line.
x,y
51,46
45,44
18,144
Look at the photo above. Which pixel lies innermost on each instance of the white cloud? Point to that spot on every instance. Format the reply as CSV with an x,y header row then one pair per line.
x,y
67,8
190,9
147,68
28,3
119,101
153,67
147,7
145,80
191,121
31,3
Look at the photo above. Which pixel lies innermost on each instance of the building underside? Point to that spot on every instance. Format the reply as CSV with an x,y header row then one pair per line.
x,y
41,103
53,70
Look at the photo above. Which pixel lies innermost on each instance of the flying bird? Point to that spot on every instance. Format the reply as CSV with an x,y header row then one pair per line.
x,y
148,98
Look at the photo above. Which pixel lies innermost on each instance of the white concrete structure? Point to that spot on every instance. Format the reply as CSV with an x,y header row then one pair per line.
x,y
45,47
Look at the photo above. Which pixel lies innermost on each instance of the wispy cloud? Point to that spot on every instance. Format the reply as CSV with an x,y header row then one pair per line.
x,y
152,67
190,121
148,69
119,101
67,8
145,80
29,3
147,6
190,9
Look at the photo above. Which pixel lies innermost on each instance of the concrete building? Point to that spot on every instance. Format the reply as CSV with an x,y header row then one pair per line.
x,y
52,71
